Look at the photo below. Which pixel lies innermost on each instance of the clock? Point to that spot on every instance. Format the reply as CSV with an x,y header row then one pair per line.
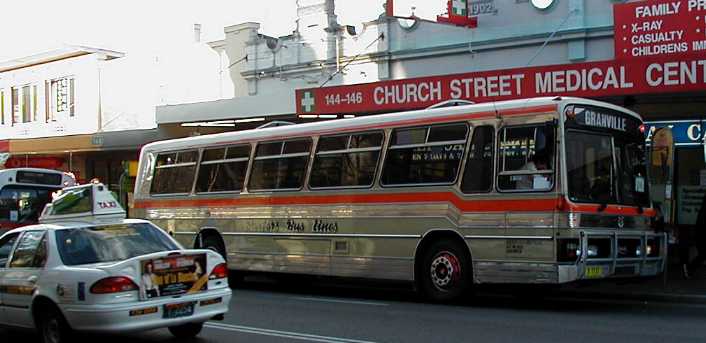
x,y
542,4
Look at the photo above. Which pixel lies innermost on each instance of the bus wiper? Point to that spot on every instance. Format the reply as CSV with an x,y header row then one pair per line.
x,y
602,206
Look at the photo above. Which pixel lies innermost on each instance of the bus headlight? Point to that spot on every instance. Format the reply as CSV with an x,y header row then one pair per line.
x,y
592,251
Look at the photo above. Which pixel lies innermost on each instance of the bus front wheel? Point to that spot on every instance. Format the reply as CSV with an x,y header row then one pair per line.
x,y
445,271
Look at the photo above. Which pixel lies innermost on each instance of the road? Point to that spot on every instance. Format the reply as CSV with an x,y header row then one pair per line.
x,y
297,310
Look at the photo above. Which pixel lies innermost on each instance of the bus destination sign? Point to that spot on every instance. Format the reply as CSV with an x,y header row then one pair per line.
x,y
602,119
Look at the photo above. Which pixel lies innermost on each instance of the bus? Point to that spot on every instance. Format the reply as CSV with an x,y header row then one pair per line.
x,y
532,191
25,191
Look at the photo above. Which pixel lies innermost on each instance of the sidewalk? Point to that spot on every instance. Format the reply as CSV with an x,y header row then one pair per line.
x,y
674,289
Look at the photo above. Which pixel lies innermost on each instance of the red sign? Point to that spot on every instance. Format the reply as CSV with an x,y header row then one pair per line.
x,y
659,27
590,80
34,162
458,14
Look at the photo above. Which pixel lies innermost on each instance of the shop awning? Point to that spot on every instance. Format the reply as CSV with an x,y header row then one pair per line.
x,y
237,108
102,141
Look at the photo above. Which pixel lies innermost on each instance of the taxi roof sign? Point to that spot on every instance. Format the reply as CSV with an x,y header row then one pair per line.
x,y
92,202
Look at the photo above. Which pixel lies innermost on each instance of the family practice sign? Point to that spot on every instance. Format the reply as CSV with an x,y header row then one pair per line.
x,y
598,79
659,28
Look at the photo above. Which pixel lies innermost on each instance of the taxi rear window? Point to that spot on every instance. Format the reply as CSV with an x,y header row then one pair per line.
x,y
110,243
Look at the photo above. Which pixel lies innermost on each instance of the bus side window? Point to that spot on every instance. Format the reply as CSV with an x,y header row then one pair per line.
x,y
174,172
280,165
346,161
526,157
425,155
478,175
223,169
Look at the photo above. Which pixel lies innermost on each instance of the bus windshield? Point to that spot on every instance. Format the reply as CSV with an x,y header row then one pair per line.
x,y
605,157
22,205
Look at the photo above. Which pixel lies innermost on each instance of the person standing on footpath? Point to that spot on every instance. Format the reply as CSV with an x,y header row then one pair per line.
x,y
690,267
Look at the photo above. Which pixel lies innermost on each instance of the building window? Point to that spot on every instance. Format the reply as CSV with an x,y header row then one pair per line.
x,y
24,104
15,106
62,98
2,107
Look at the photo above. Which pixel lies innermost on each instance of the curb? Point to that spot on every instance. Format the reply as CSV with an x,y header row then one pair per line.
x,y
642,297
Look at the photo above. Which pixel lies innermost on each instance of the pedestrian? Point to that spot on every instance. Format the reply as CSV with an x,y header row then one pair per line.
x,y
690,267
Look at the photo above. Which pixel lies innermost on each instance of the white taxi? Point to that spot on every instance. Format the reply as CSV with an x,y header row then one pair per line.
x,y
87,268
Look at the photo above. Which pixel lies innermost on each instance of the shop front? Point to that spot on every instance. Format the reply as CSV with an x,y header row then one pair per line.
x,y
104,156
689,174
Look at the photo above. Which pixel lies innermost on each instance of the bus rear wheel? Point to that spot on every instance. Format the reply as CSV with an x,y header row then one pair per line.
x,y
445,271
211,242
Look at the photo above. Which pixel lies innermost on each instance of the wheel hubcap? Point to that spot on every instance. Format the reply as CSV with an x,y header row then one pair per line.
x,y
445,270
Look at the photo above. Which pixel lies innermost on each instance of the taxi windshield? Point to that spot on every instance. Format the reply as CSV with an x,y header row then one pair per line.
x,y
110,243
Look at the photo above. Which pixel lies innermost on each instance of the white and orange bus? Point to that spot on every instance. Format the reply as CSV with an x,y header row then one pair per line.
x,y
25,191
546,190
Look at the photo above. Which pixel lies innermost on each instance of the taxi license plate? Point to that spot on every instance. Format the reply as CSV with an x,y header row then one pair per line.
x,y
593,272
178,310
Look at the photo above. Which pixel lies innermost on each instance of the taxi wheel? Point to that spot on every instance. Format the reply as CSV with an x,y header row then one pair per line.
x,y
188,330
445,271
54,328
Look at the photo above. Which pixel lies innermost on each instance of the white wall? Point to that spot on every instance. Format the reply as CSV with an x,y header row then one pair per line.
x,y
83,69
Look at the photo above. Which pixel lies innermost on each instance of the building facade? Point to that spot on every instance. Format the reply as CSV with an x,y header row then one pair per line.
x,y
53,105
645,55
89,111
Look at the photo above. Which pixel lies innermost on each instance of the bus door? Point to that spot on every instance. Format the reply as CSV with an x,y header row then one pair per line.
x,y
527,164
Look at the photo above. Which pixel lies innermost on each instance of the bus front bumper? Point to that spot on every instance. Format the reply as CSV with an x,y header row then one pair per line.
x,y
619,263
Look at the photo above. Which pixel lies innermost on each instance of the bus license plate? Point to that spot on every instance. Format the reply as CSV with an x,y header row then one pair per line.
x,y
178,310
593,272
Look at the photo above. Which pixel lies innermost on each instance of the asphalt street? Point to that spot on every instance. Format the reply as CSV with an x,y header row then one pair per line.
x,y
294,310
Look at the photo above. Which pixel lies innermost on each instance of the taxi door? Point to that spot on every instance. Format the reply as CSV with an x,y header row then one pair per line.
x,y
6,245
21,276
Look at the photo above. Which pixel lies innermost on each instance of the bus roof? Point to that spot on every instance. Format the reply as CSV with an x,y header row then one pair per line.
x,y
33,176
372,122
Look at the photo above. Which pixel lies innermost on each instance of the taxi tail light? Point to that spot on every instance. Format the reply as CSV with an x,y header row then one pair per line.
x,y
116,284
219,272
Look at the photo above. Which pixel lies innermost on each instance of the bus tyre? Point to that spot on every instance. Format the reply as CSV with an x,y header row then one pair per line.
x,y
185,331
211,242
445,271
53,327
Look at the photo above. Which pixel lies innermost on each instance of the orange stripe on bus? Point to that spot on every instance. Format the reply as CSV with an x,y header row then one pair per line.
x,y
507,205
436,197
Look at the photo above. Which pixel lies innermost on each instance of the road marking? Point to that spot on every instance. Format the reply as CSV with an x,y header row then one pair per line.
x,y
341,301
283,334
